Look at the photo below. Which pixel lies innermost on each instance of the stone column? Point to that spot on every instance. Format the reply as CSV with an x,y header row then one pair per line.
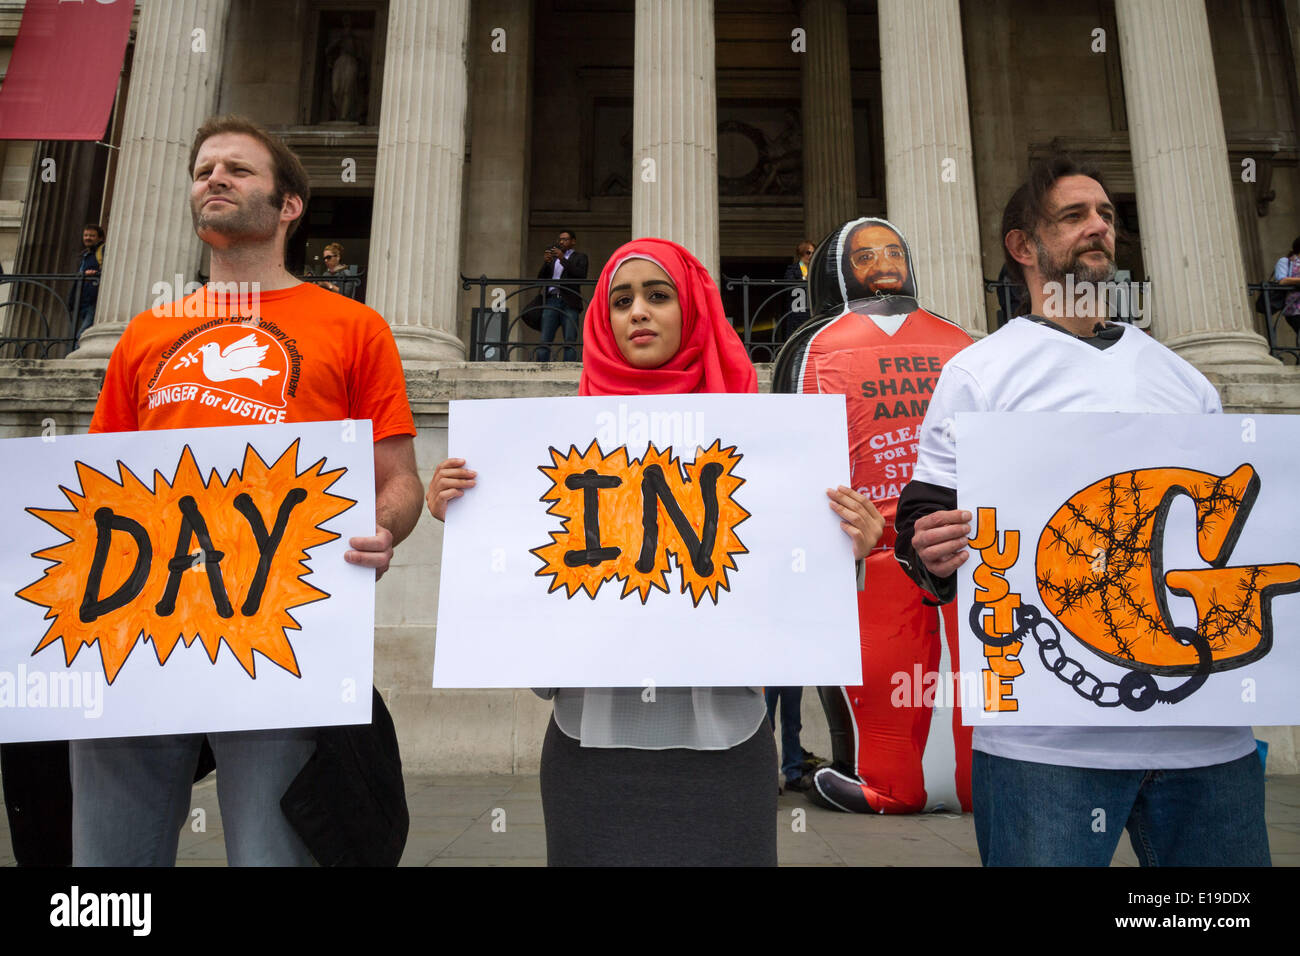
x,y
830,189
496,208
1190,242
929,168
176,78
54,210
416,225
987,31
1291,19
675,126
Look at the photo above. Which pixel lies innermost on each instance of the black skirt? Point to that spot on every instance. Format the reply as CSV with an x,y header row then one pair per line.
x,y
624,807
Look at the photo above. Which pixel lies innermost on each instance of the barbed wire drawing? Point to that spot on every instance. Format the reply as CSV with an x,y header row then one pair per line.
x,y
1099,570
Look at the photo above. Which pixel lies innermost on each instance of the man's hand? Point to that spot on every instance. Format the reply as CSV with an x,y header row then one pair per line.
x,y
448,481
375,552
939,540
862,522
397,502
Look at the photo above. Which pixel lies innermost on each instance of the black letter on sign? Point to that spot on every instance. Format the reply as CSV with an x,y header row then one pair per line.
x,y
105,524
653,486
193,525
591,483
266,544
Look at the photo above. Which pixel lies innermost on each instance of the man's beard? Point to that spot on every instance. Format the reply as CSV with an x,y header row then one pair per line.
x,y
255,219
1054,271
873,283
856,288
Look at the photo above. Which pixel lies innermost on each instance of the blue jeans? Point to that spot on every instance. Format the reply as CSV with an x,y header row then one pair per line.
x,y
791,699
131,796
1037,814
85,318
557,312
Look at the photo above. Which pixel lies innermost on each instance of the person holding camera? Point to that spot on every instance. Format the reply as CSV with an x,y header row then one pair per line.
x,y
562,304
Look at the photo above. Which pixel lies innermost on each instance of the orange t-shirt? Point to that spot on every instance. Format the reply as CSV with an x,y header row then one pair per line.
x,y
304,355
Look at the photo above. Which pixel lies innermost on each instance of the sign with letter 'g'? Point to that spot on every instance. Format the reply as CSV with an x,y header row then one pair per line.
x,y
1130,569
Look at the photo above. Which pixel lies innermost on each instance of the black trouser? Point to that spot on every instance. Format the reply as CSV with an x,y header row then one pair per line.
x,y
38,797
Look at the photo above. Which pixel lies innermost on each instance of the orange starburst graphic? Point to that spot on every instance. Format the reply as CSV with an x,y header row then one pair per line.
x,y
622,519
217,561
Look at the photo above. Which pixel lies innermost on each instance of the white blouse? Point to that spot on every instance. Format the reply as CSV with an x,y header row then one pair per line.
x,y
661,718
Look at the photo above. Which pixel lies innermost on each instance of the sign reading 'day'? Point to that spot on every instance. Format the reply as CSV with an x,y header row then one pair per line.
x,y
185,581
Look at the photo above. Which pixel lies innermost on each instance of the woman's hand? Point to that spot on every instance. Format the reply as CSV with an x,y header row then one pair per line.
x,y
862,522
449,479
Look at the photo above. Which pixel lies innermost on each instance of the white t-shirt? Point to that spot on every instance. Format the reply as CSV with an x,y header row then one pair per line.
x,y
1028,367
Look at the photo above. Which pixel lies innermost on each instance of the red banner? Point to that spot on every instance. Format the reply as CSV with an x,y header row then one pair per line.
x,y
64,69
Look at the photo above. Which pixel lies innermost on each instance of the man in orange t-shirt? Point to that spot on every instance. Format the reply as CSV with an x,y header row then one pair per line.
x,y
269,349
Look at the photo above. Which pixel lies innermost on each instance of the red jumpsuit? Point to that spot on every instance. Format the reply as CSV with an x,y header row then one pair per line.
x,y
879,730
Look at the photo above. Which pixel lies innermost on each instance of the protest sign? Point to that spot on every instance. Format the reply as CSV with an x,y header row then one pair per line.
x,y
633,541
1129,569
185,581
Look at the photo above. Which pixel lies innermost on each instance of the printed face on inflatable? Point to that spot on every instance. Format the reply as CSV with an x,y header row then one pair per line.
x,y
877,259
863,266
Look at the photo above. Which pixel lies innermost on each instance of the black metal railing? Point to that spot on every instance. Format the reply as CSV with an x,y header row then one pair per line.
x,y
350,284
1005,301
506,324
38,313
1268,299
768,312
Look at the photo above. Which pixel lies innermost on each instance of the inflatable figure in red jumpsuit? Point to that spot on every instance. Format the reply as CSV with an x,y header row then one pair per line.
x,y
870,341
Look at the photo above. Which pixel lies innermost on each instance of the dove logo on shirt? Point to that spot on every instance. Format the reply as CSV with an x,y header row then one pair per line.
x,y
240,369
243,359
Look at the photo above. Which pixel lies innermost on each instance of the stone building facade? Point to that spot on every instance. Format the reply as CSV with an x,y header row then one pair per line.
x,y
447,137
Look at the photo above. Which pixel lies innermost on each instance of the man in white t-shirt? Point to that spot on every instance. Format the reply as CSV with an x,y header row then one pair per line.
x,y
1190,796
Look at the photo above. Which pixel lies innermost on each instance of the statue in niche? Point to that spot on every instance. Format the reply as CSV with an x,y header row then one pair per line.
x,y
785,159
619,183
344,72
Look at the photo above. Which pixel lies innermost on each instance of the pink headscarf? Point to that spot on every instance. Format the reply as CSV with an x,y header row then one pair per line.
x,y
711,357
